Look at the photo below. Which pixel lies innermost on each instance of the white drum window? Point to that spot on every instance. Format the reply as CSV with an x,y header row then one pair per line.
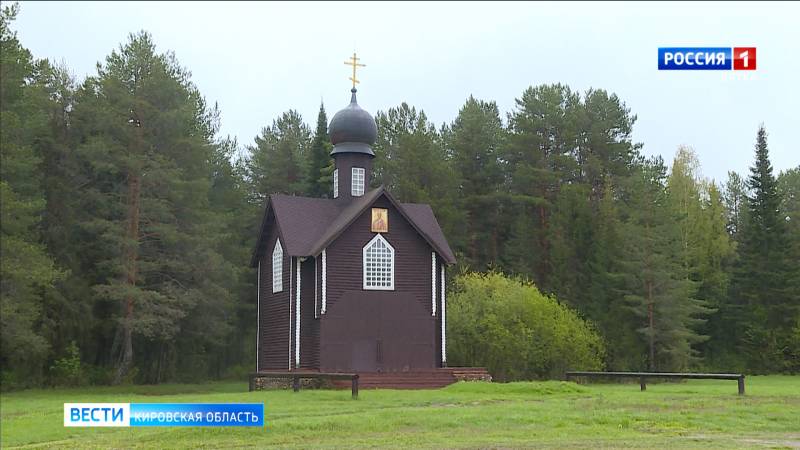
x,y
379,264
277,267
358,182
336,183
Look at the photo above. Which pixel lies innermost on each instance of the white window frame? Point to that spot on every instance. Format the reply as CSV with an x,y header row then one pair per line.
x,y
390,287
277,267
357,187
336,183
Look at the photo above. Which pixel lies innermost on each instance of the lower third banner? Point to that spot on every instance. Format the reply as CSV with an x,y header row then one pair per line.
x,y
163,415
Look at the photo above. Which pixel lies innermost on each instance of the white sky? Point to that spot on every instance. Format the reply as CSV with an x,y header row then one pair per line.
x,y
259,59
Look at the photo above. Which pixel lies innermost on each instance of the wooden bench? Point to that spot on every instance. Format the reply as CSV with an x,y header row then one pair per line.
x,y
296,376
642,376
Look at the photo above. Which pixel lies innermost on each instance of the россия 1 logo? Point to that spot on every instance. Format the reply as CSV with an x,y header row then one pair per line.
x,y
706,58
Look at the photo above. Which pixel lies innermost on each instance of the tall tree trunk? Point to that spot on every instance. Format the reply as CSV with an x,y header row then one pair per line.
x,y
130,256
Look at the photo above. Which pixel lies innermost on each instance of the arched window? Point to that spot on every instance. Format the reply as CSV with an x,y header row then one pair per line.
x,y
378,264
277,267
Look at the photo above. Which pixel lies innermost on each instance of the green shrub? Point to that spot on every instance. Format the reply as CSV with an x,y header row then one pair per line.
x,y
516,332
99,375
67,371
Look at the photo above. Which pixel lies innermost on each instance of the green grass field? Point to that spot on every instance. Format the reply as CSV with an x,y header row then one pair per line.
x,y
542,414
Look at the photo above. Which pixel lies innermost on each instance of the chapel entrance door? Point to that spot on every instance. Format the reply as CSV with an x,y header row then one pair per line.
x,y
373,331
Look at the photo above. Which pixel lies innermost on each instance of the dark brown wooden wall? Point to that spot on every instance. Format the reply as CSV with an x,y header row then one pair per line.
x,y
309,326
275,309
412,270
345,163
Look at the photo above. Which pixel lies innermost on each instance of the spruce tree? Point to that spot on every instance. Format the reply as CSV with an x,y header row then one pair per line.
x,y
789,188
764,287
320,164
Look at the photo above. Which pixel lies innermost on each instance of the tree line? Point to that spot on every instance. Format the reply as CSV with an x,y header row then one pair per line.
x,y
128,221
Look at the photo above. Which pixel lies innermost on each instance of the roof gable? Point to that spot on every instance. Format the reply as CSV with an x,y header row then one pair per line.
x,y
420,217
300,221
308,225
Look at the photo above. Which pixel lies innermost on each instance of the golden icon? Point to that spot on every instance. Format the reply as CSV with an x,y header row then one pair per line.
x,y
380,220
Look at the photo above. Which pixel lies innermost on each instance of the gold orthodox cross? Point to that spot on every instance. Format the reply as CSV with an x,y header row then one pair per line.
x,y
354,62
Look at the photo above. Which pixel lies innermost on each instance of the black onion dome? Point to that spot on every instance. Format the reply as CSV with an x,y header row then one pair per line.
x,y
352,130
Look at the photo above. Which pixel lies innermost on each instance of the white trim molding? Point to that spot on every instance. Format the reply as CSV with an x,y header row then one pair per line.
x,y
297,318
433,283
378,264
324,281
291,279
316,289
444,327
258,316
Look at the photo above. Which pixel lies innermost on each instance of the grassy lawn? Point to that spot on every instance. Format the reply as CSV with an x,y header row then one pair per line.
x,y
702,413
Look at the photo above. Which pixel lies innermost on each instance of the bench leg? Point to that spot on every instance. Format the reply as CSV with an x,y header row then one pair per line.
x,y
296,384
741,385
642,385
354,387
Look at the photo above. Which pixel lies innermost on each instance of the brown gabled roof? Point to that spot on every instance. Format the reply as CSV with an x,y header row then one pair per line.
x,y
423,217
300,220
308,225
348,215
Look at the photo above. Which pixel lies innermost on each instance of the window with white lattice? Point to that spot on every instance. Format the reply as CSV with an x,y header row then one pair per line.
x,y
357,182
336,183
379,264
277,267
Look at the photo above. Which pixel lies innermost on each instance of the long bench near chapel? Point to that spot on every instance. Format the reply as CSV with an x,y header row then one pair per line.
x,y
642,376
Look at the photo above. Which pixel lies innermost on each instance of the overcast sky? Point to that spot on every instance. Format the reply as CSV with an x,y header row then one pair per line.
x,y
259,59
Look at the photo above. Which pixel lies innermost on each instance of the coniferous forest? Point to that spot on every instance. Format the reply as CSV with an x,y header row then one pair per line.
x,y
128,222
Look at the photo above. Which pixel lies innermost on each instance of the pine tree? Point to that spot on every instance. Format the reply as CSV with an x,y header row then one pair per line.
x,y
606,290
26,267
147,143
410,160
542,137
474,143
320,167
657,288
278,161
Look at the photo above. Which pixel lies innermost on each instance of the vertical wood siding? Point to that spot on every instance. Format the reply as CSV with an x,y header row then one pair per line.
x,y
274,325
309,326
413,281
